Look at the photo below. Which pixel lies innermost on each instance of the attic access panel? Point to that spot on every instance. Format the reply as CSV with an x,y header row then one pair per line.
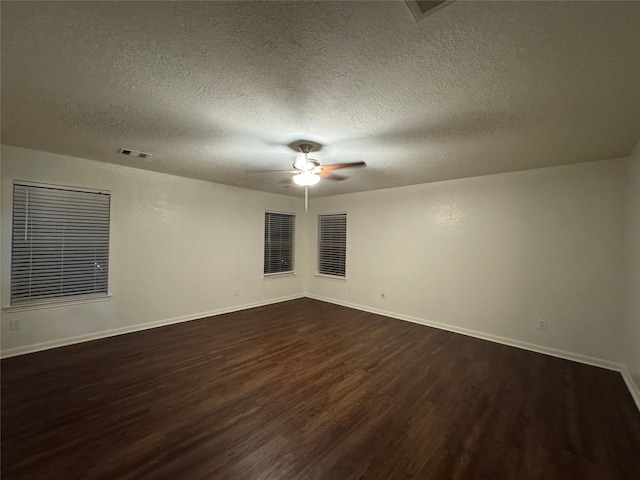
x,y
423,8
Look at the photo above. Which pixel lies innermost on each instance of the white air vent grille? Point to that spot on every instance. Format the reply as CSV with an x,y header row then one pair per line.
x,y
423,8
133,153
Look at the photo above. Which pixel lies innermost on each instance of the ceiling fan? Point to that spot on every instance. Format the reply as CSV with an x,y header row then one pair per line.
x,y
308,171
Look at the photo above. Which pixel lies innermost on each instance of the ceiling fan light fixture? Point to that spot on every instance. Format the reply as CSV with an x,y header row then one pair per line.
x,y
306,179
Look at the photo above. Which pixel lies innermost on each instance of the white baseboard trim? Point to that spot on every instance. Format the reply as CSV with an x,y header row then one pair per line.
x,y
576,357
633,387
12,352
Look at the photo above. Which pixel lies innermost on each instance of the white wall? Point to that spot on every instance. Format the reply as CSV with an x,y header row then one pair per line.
x,y
632,311
488,254
179,249
492,255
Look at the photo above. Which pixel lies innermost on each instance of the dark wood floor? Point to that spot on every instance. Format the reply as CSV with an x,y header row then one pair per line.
x,y
310,390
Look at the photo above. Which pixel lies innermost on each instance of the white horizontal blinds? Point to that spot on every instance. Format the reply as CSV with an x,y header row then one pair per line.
x,y
60,244
332,244
278,242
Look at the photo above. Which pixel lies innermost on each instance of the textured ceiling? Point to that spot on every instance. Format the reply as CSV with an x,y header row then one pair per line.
x,y
212,89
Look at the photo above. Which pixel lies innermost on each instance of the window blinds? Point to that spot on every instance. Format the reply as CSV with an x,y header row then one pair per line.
x,y
278,242
60,243
332,244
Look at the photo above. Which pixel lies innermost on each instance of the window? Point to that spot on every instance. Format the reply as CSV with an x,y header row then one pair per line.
x,y
278,242
60,243
332,244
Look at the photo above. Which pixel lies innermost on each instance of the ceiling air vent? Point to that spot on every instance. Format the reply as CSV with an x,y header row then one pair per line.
x,y
424,8
133,153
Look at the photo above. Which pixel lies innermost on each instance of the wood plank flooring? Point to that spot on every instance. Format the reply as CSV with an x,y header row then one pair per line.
x,y
309,390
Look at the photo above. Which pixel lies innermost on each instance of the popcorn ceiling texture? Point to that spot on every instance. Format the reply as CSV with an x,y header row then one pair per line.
x,y
214,88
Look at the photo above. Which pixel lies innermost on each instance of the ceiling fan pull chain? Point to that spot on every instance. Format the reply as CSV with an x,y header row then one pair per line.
x,y
306,198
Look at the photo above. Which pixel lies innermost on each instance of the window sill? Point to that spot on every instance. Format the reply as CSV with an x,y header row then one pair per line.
x,y
331,277
273,276
56,303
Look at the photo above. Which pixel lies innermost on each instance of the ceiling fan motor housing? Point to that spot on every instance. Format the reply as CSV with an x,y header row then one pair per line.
x,y
310,164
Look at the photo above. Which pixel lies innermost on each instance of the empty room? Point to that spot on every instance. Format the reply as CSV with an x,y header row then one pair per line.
x,y
320,240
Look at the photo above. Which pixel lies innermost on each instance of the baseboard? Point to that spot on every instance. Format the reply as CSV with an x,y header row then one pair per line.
x,y
633,387
12,352
576,357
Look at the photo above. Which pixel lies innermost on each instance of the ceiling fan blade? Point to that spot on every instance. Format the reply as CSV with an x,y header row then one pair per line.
x,y
336,166
332,176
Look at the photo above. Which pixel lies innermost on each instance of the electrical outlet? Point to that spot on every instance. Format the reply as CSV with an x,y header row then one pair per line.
x,y
542,324
382,296
14,324
237,292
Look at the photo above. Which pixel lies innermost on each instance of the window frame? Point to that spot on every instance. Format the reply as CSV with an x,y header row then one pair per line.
x,y
292,242
319,272
36,302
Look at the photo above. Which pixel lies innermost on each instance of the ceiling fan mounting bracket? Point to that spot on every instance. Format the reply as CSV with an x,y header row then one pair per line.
x,y
305,148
